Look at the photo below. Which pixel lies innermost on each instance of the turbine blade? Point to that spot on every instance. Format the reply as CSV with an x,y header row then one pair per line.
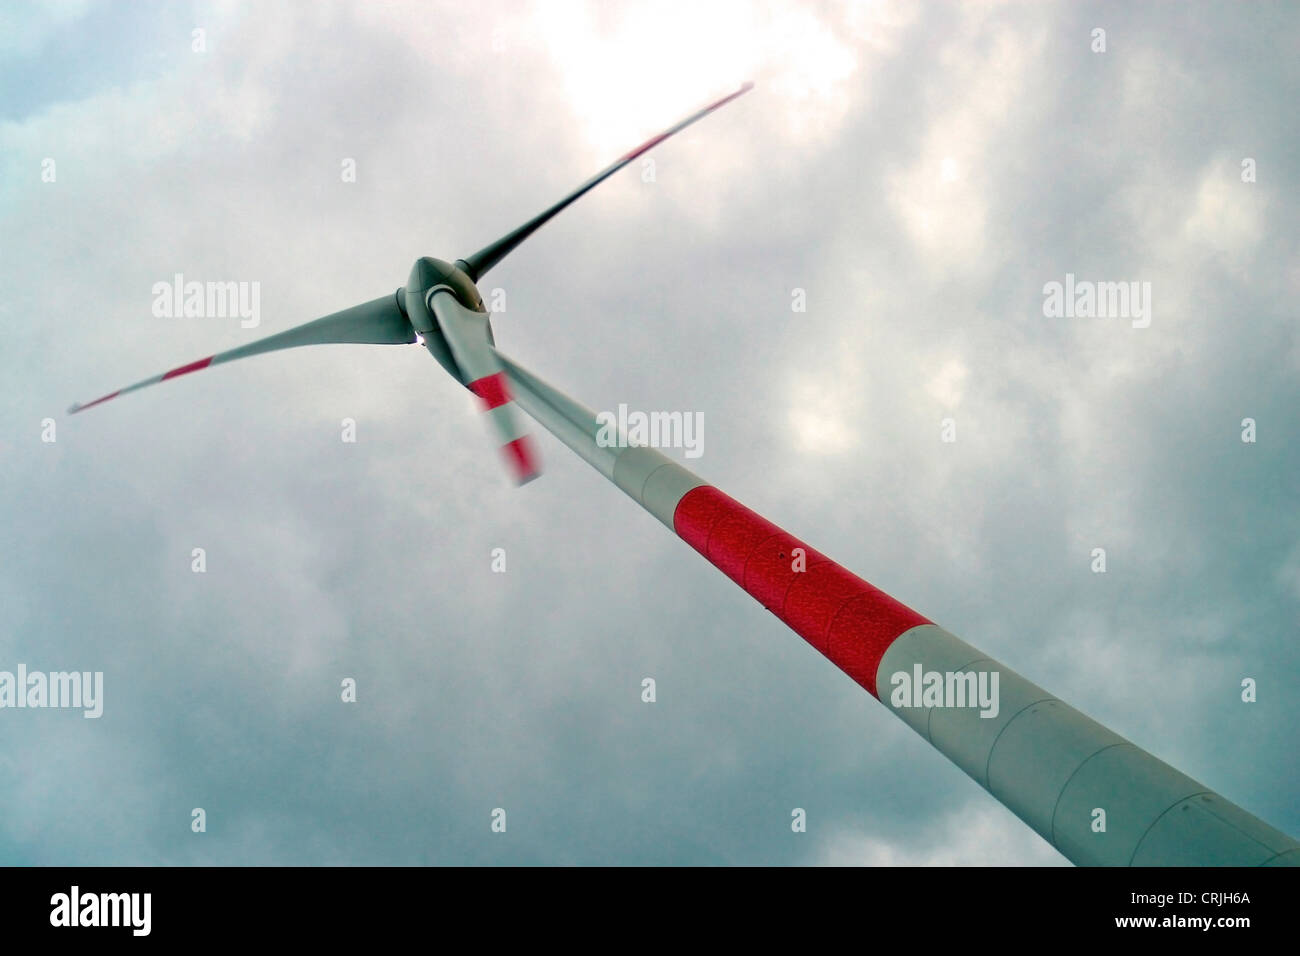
x,y
378,322
466,332
483,260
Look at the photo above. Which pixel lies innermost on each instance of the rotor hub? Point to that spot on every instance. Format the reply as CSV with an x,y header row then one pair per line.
x,y
429,273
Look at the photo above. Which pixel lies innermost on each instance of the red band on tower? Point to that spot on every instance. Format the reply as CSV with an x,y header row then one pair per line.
x,y
834,610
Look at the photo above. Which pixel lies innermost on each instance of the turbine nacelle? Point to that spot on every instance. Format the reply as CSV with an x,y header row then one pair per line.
x,y
428,275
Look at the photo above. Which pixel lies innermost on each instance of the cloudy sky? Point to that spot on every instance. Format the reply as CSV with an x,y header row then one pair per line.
x,y
920,172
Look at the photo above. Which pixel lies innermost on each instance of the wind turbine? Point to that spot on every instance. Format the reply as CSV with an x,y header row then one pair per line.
x,y
1096,797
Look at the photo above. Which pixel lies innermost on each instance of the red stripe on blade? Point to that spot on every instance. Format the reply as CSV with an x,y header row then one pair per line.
x,y
491,390
192,367
834,610
656,140
522,459
82,408
648,144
